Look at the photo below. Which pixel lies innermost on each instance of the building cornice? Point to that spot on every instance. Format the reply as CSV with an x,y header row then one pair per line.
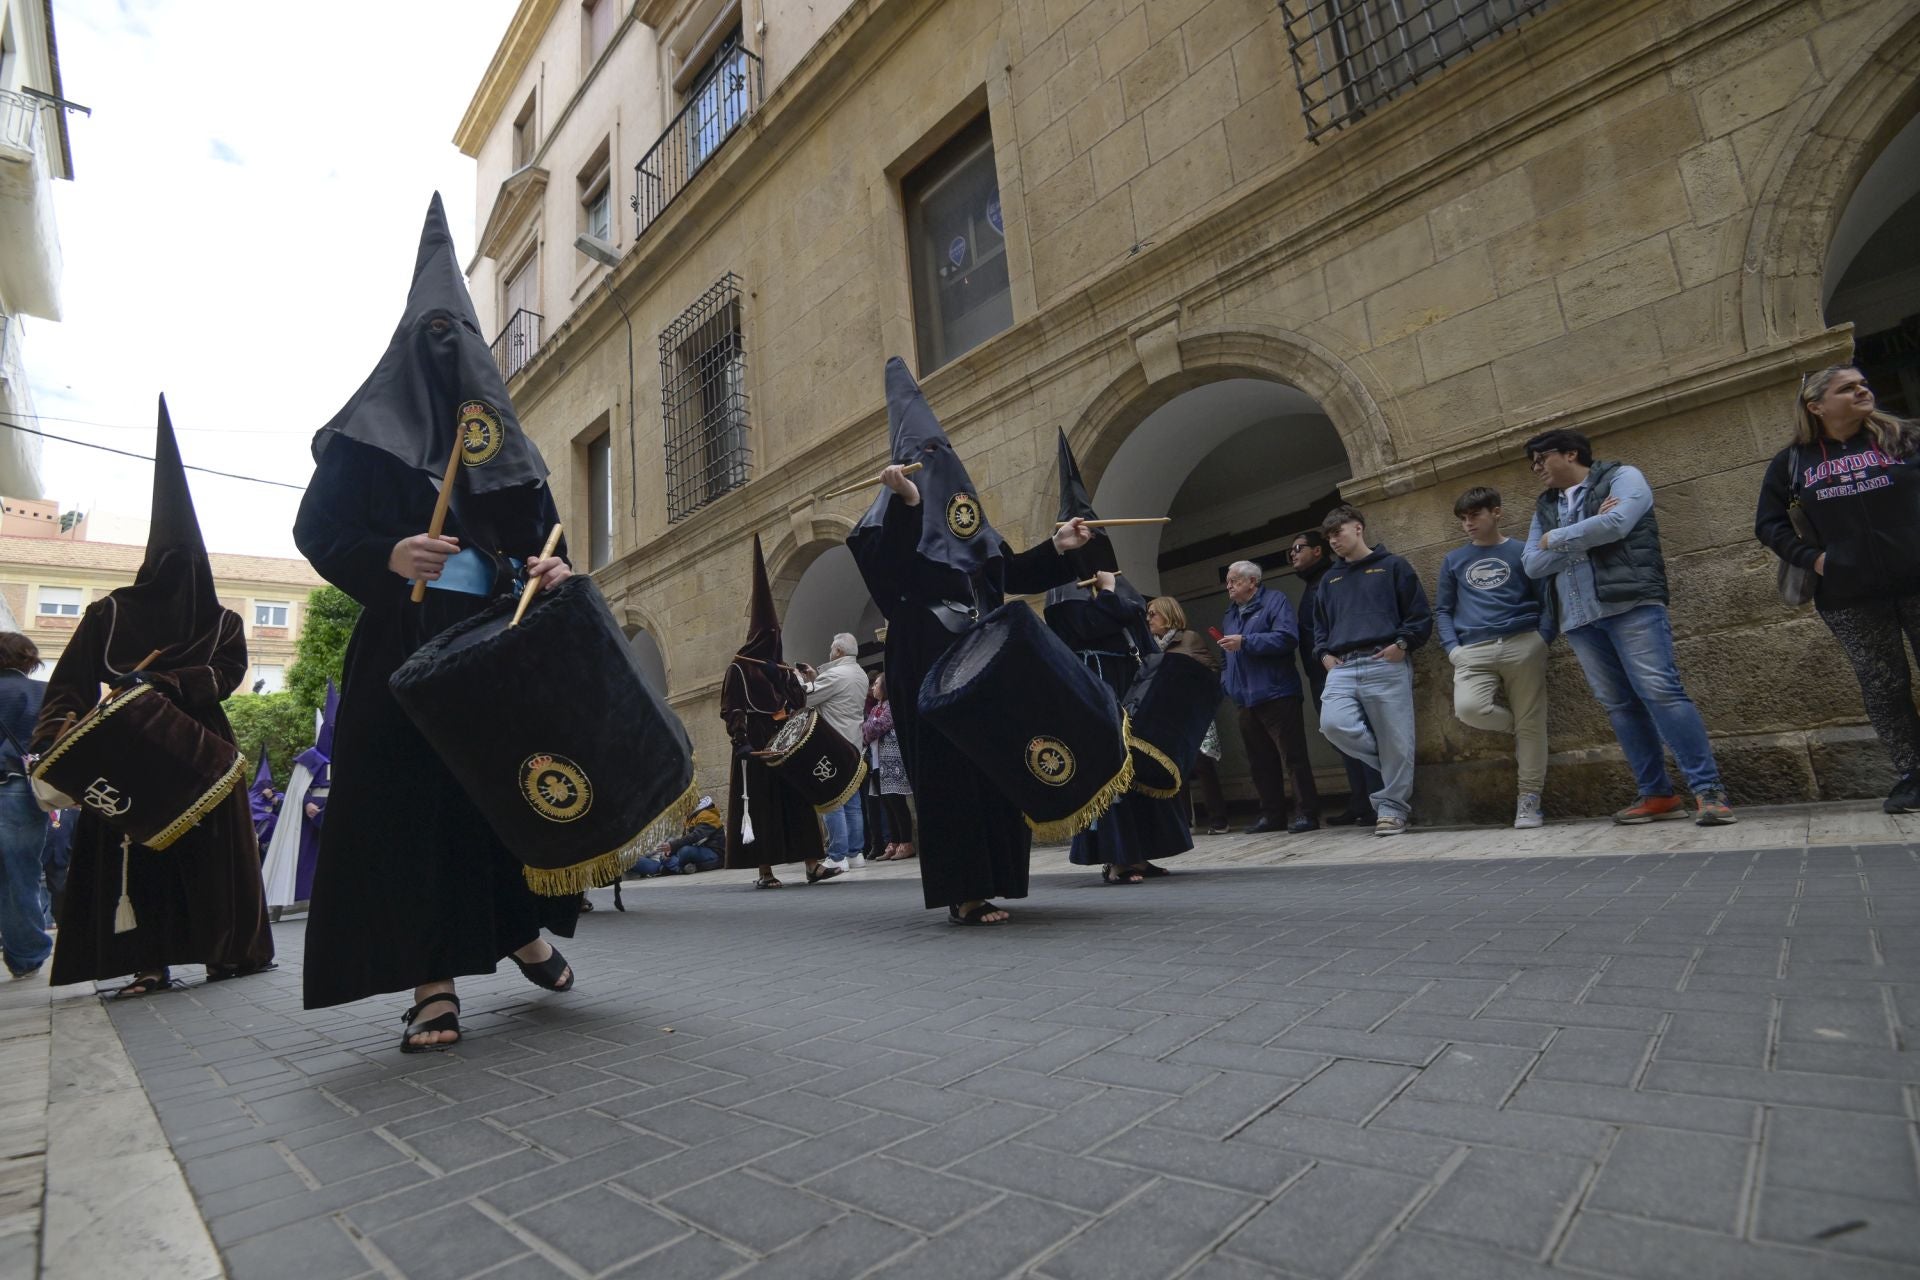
x,y
513,208
529,24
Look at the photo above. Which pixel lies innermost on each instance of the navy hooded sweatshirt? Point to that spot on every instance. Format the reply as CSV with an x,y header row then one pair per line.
x,y
1366,604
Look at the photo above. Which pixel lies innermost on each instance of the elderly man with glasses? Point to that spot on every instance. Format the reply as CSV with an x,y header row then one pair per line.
x,y
1595,537
1260,636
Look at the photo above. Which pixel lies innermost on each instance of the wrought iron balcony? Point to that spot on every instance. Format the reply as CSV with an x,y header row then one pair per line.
x,y
517,342
19,121
1351,56
718,105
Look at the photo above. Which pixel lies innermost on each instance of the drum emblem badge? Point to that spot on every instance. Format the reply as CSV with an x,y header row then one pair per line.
x,y
556,787
106,798
480,434
823,769
963,515
1049,760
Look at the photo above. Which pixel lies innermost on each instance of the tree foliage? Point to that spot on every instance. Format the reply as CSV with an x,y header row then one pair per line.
x,y
280,720
322,648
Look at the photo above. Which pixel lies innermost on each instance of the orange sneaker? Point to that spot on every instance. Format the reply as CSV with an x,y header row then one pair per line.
x,y
1651,809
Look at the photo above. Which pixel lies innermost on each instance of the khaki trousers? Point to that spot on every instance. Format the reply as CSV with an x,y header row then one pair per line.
x,y
1519,664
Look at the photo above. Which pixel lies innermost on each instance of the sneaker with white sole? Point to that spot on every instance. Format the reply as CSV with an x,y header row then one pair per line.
x,y
1526,814
1388,824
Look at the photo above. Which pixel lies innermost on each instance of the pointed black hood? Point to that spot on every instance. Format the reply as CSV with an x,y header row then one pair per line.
x,y
1097,554
953,521
172,604
437,384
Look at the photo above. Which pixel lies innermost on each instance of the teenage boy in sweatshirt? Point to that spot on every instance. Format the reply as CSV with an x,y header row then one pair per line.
x,y
1489,616
1370,614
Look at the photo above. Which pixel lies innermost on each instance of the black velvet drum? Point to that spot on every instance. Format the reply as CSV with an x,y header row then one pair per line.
x,y
811,759
578,766
147,768
1046,730
1169,706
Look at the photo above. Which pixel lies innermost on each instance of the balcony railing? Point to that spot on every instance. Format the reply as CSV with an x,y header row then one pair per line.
x,y
19,119
1351,56
517,342
718,105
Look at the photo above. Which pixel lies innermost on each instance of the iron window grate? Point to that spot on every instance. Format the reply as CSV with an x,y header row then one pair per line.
x,y
1351,56
703,391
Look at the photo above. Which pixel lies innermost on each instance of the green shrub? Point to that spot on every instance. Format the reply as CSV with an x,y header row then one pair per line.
x,y
280,720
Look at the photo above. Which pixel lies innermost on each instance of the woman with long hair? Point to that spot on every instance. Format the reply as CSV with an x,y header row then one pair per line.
x,y
1854,474
888,769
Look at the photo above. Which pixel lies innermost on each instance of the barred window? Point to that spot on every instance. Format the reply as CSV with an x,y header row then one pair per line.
x,y
1350,56
703,381
957,244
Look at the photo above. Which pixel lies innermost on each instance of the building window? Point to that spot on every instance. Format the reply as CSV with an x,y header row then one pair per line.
x,y
523,139
703,379
519,337
596,196
62,602
270,613
957,242
268,678
600,502
597,20
1350,56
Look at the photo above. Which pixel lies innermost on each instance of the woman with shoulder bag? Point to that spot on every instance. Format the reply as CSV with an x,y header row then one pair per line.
x,y
1841,506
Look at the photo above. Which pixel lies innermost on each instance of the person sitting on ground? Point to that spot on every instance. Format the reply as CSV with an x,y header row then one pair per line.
x,y
699,846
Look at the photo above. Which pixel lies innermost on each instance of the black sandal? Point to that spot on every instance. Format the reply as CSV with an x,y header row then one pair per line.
x,y
145,985
222,972
817,874
977,915
547,973
1120,875
445,1022
1152,872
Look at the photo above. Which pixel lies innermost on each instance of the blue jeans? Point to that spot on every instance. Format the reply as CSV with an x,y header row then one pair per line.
x,y
697,856
1367,713
846,828
23,898
1628,660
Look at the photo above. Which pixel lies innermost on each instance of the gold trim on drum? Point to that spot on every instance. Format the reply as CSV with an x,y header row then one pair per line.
x,y
200,808
87,724
1096,807
605,868
964,516
859,776
1159,757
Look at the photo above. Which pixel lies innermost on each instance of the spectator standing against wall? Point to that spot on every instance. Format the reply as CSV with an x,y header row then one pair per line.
x,y
1311,558
838,691
1595,537
24,940
1489,616
1260,635
1370,614
1853,472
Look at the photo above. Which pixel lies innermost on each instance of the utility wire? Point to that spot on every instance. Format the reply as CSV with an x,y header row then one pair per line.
x,y
126,453
130,426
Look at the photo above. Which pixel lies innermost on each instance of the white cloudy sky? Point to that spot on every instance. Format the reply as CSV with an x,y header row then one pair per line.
x,y
240,233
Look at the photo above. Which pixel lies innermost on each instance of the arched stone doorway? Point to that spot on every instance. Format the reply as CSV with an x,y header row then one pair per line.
x,y
820,592
1241,464
1872,277
653,663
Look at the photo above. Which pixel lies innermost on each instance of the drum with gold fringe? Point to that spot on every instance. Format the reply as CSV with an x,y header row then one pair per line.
x,y
146,768
578,765
1043,728
809,757
1169,707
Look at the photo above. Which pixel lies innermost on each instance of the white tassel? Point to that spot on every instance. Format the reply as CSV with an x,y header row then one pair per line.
x,y
746,809
123,918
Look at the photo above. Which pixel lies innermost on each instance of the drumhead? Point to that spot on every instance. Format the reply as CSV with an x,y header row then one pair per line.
x,y
792,733
973,653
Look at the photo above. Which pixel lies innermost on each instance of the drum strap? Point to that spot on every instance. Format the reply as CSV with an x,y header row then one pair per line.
x,y
953,615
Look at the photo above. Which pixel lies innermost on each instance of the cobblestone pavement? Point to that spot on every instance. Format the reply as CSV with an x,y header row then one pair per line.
x,y
1685,1064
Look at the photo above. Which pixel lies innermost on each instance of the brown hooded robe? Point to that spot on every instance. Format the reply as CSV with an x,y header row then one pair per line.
x,y
756,696
200,900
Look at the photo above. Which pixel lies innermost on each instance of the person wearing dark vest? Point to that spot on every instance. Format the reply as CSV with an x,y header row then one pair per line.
x,y
1595,537
1311,558
1854,473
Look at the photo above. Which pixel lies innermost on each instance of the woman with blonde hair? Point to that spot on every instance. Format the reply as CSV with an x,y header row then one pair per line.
x,y
1168,623
1853,474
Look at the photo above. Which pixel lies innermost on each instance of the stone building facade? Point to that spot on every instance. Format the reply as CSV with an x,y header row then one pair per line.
x,y
1641,219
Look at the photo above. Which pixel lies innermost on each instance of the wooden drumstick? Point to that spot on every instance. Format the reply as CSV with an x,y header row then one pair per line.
x,y
533,584
439,520
1118,523
842,492
1093,581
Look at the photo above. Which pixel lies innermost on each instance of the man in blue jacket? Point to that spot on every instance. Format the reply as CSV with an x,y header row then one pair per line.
x,y
1260,636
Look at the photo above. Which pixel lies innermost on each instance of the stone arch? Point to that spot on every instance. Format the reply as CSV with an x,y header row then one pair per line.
x,y
648,642
1818,162
816,588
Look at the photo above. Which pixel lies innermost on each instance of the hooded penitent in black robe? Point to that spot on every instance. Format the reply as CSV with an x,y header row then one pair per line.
x,y
757,694
198,901
973,843
412,885
1107,630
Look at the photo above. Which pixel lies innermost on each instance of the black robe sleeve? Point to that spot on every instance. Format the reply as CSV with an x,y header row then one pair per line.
x,y
342,532
1037,569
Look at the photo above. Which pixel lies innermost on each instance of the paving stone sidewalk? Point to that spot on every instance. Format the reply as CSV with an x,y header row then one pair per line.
x,y
1683,1064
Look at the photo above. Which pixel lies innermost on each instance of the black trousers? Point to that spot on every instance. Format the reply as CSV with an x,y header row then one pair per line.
x,y
1876,636
1276,739
899,819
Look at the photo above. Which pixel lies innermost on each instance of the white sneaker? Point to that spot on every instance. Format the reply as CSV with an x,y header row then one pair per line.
x,y
838,864
855,861
1527,815
1389,825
